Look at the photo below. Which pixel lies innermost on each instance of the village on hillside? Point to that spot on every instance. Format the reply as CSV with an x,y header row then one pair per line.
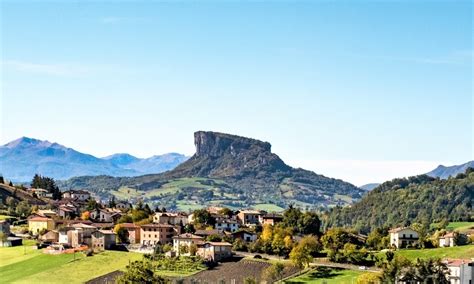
x,y
218,243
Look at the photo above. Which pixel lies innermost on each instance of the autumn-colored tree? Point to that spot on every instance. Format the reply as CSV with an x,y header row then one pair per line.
x,y
267,233
85,215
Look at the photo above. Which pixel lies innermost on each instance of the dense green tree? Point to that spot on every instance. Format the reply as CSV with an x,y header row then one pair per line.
x,y
226,211
92,204
203,217
23,209
140,272
112,202
122,234
125,219
420,271
309,223
48,184
291,217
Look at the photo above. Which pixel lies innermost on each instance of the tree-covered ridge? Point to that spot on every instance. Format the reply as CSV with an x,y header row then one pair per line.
x,y
400,202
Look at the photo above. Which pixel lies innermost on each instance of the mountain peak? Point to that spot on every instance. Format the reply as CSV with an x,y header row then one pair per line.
x,y
215,144
27,142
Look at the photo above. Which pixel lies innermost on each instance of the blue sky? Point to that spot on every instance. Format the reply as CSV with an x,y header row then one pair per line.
x,y
359,90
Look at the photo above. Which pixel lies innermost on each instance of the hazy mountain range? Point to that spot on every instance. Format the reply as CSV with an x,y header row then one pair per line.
x,y
445,172
24,157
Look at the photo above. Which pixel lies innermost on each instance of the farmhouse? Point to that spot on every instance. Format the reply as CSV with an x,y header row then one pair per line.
x,y
67,211
51,236
207,233
36,224
227,225
270,219
460,271
248,217
63,236
40,192
80,195
103,240
245,236
106,215
403,237
152,234
170,218
447,240
185,240
133,232
215,251
47,213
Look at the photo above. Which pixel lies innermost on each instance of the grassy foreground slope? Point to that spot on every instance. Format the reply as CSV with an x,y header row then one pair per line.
x,y
449,252
460,226
36,267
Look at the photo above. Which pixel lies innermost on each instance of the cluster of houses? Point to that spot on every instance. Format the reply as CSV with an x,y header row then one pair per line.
x,y
404,237
62,229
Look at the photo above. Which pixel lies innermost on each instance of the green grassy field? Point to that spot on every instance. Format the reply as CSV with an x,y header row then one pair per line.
x,y
327,275
36,267
460,226
449,252
4,217
268,207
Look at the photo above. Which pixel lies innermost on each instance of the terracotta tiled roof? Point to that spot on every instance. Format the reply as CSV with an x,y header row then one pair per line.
x,y
188,236
157,226
222,244
457,262
129,225
396,230
448,235
39,219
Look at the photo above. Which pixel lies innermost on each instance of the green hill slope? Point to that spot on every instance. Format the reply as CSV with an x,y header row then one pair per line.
x,y
420,199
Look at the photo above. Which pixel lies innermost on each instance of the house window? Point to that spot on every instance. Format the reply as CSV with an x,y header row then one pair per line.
x,y
403,235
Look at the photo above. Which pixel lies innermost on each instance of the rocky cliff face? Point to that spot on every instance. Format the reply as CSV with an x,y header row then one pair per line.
x,y
220,155
214,144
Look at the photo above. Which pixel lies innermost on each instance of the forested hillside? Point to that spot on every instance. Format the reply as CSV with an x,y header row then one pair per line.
x,y
421,199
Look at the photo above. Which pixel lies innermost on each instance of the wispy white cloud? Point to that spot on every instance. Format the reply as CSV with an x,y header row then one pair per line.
x,y
45,68
69,69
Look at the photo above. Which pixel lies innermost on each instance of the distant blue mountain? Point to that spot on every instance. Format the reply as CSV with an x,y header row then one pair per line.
x,y
24,157
154,164
369,186
444,172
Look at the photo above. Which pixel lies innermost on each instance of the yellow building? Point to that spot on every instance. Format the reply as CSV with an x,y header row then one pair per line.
x,y
36,224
